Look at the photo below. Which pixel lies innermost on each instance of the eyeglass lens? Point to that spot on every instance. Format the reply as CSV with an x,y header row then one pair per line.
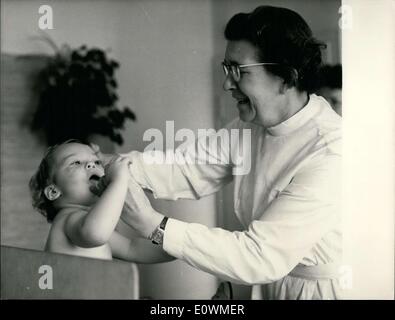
x,y
233,69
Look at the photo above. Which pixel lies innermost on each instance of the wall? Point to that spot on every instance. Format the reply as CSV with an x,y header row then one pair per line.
x,y
20,152
368,147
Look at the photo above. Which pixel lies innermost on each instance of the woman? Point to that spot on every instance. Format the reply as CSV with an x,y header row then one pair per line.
x,y
289,200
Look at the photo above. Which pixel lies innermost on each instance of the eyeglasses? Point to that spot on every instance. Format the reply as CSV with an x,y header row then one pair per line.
x,y
234,69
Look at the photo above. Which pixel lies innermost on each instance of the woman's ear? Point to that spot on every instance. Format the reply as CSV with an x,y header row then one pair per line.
x,y
52,192
292,80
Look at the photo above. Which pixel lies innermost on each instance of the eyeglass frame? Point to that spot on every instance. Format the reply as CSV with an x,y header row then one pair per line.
x,y
228,68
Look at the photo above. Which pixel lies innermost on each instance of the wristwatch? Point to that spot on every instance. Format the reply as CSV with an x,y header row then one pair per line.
x,y
157,235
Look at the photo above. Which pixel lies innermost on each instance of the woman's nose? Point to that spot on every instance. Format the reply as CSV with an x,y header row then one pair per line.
x,y
229,83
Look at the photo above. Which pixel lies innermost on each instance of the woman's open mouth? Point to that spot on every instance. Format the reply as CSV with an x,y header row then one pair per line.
x,y
243,101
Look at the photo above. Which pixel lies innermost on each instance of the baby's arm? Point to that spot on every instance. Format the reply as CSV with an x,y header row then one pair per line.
x,y
95,228
137,250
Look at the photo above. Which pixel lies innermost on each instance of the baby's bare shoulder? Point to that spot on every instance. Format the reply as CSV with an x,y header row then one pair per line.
x,y
57,237
64,214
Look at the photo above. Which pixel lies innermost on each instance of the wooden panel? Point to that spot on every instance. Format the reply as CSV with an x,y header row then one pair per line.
x,y
21,152
73,277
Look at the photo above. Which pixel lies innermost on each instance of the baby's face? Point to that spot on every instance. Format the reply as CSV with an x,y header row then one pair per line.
x,y
76,168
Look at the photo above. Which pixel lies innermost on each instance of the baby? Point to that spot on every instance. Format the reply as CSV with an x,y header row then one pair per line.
x,y
83,223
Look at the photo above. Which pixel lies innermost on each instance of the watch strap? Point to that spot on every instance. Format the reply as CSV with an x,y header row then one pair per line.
x,y
163,223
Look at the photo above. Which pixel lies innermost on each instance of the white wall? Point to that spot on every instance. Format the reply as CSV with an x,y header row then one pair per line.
x,y
75,23
369,141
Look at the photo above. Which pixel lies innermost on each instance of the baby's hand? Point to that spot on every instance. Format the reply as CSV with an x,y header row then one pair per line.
x,y
117,169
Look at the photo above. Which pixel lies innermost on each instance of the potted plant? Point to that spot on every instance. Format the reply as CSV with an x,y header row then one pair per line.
x,y
78,97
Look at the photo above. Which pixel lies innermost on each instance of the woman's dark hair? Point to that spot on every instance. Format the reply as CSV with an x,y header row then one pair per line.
x,y
331,76
282,36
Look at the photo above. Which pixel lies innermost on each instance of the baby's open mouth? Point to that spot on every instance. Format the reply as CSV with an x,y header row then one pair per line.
x,y
95,186
94,179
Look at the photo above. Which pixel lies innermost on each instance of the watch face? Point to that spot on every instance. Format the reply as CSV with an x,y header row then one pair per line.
x,y
157,236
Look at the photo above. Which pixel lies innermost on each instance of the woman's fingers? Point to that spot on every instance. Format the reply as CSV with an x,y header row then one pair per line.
x,y
137,196
95,147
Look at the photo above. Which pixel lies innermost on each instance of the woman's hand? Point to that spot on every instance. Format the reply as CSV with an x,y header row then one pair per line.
x,y
138,212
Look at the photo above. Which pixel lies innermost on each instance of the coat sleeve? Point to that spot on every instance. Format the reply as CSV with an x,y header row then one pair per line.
x,y
196,170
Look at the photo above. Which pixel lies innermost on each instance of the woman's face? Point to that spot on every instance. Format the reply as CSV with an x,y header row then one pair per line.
x,y
258,93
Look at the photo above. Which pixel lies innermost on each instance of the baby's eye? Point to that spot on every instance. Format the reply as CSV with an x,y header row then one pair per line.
x,y
98,162
76,163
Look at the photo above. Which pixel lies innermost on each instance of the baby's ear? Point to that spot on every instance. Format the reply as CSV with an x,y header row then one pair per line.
x,y
52,192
